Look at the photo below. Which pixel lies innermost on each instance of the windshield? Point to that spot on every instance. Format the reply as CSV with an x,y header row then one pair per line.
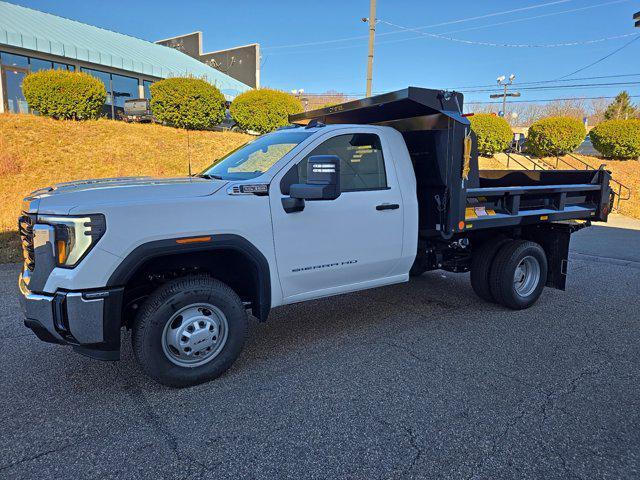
x,y
256,157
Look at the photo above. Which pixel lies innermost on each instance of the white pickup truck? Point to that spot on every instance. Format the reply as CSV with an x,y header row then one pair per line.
x,y
355,196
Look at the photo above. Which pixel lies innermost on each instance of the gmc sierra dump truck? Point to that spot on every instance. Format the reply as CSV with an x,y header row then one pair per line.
x,y
350,197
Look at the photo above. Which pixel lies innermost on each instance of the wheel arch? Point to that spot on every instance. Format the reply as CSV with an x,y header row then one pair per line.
x,y
215,245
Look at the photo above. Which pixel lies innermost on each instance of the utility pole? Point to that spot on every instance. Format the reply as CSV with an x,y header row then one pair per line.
x,y
372,37
505,84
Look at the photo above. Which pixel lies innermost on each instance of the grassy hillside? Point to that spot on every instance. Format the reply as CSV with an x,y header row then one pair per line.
x,y
36,152
626,171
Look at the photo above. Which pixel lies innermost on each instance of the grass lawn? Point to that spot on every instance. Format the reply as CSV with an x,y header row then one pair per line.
x,y
37,152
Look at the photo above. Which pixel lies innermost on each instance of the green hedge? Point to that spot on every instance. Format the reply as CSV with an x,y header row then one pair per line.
x,y
555,136
264,110
618,139
186,102
493,132
64,95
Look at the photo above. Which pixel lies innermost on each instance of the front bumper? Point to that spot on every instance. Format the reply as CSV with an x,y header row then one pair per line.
x,y
90,321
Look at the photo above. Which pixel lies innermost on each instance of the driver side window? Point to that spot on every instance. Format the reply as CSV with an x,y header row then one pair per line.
x,y
361,163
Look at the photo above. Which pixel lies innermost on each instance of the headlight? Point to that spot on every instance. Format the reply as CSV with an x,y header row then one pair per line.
x,y
74,236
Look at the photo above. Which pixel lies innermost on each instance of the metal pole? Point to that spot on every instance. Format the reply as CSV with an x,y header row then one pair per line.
x,y
113,99
504,102
372,36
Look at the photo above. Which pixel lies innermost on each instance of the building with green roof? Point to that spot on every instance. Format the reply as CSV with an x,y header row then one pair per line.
x,y
31,40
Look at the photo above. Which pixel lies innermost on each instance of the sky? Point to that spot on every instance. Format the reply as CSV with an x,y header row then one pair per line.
x,y
322,46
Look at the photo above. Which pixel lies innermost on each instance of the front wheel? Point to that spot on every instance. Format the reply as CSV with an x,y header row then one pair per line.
x,y
518,274
189,331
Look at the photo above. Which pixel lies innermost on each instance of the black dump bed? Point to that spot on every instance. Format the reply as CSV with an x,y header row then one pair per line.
x,y
453,195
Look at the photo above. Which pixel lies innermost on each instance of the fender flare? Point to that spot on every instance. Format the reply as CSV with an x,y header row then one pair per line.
x,y
159,248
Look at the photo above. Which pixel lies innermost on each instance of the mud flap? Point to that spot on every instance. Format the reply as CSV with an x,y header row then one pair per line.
x,y
554,239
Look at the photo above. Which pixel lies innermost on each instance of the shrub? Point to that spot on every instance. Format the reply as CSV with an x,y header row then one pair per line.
x,y
494,133
64,95
264,110
555,136
617,138
186,102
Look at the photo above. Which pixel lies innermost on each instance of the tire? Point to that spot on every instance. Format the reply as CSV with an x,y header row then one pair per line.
x,y
481,262
202,310
531,259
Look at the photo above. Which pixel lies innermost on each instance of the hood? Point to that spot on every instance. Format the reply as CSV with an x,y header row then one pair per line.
x,y
63,197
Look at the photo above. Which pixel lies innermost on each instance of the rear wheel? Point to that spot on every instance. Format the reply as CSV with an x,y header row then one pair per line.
x,y
189,331
481,263
518,274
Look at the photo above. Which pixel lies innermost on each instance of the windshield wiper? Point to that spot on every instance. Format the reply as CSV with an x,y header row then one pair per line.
x,y
210,176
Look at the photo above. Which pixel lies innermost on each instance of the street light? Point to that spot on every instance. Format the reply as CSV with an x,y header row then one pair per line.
x,y
298,94
505,84
636,17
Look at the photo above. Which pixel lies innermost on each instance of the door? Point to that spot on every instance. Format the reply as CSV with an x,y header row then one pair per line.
x,y
350,243
12,78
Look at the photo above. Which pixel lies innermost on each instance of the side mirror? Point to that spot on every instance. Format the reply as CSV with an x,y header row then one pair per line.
x,y
323,183
323,179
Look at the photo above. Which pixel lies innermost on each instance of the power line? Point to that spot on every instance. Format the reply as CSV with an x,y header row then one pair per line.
x,y
559,87
601,59
452,22
549,100
536,17
481,17
493,88
509,45
510,21
550,81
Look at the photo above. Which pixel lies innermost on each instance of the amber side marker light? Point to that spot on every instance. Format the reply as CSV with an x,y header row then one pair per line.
x,y
194,240
62,252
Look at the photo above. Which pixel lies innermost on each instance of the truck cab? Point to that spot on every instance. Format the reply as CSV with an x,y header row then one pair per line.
x,y
355,196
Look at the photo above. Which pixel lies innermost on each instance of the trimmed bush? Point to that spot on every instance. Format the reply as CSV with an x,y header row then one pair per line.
x,y
618,139
186,102
64,95
493,132
264,110
555,136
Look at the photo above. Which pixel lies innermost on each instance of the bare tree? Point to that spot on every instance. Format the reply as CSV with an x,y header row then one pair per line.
x,y
330,97
597,110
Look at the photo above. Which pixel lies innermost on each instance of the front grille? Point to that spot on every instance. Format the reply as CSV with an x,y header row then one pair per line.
x,y
25,229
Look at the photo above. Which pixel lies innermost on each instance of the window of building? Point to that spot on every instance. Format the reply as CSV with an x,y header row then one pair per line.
x,y
36,64
105,78
124,88
13,60
146,84
15,101
361,161
63,66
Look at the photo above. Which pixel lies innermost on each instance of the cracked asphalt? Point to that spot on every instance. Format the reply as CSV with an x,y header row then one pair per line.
x,y
420,380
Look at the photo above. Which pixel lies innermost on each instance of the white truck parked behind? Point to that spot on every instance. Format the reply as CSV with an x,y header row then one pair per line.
x,y
351,197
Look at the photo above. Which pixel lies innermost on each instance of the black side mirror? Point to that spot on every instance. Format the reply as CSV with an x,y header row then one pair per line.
x,y
323,179
323,183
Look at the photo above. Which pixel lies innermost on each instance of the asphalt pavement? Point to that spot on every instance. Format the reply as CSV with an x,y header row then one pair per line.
x,y
420,380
